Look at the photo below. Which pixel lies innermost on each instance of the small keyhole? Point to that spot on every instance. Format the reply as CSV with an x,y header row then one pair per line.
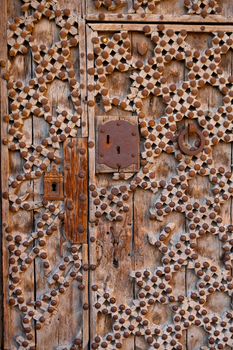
x,y
54,187
118,150
108,139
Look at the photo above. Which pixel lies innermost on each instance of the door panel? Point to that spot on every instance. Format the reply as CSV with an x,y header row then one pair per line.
x,y
161,237
46,284
116,170
160,10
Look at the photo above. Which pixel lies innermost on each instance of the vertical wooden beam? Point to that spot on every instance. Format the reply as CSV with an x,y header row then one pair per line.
x,y
4,320
72,314
20,222
110,243
85,300
83,75
76,199
91,155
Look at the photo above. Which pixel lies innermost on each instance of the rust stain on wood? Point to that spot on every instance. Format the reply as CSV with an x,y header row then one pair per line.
x,y
76,199
53,185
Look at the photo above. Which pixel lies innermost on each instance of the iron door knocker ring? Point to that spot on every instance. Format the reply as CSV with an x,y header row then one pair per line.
x,y
184,147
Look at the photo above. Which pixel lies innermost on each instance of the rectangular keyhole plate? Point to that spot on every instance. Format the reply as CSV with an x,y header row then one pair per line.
x,y
53,185
118,147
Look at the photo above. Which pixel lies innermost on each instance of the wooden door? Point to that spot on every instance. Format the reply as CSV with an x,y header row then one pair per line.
x,y
116,174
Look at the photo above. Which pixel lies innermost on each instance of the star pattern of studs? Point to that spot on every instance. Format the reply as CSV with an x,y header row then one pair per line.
x,y
197,7
156,287
28,101
112,53
203,7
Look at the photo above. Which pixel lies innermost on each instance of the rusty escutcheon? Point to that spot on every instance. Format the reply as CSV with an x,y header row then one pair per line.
x,y
191,129
53,185
118,144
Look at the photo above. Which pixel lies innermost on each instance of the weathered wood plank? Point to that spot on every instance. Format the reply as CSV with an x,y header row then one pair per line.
x,y
5,319
217,20
45,33
67,326
92,253
83,76
148,256
136,242
110,243
210,246
197,28
76,198
95,10
21,221
183,281
159,11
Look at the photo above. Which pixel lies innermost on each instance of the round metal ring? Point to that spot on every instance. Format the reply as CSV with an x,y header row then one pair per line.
x,y
191,129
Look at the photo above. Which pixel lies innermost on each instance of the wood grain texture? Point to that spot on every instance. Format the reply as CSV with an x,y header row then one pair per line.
x,y
70,323
116,265
20,68
163,11
83,74
76,197
147,257
4,317
36,283
138,27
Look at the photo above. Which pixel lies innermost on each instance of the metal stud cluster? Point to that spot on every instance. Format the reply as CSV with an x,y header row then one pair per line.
x,y
156,287
203,7
110,5
182,109
111,203
111,53
181,104
145,6
139,6
23,250
29,101
195,7
181,101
